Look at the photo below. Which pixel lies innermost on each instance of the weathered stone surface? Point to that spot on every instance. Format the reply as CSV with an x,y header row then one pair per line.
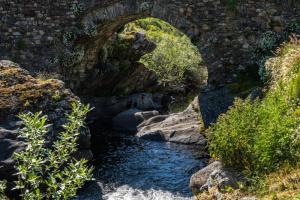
x,y
200,178
146,115
35,34
215,175
184,127
9,143
107,108
121,73
20,92
127,121
214,102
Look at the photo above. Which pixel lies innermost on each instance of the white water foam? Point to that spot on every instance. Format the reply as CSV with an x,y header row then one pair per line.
x,y
127,193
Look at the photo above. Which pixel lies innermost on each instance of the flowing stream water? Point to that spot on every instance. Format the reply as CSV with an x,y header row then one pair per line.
x,y
133,169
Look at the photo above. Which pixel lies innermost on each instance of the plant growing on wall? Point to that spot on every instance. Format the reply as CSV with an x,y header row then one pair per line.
x,y
51,172
231,4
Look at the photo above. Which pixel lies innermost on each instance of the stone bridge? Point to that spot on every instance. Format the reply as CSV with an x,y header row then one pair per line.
x,y
67,35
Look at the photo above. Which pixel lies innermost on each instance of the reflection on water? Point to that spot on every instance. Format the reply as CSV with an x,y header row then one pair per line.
x,y
133,169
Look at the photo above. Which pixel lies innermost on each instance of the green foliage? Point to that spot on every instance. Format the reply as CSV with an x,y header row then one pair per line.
x,y
231,4
172,59
56,96
268,41
293,27
51,173
175,58
2,190
296,86
260,136
77,8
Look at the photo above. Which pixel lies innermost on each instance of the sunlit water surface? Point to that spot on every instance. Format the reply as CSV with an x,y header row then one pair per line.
x,y
133,169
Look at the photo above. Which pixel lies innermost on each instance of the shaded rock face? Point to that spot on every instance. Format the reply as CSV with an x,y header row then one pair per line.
x,y
184,127
20,92
129,120
213,103
126,121
106,108
215,175
118,68
9,143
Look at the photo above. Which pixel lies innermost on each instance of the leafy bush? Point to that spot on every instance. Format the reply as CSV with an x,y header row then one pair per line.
x,y
268,41
2,190
175,60
172,59
260,135
296,88
51,173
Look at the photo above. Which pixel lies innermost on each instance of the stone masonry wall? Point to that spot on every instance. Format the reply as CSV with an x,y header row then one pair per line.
x,y
67,35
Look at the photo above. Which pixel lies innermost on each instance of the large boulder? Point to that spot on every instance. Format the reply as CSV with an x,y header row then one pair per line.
x,y
20,92
126,121
106,108
129,120
215,175
184,127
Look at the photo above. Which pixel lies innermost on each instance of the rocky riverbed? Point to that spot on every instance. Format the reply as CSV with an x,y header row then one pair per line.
x,y
133,169
146,154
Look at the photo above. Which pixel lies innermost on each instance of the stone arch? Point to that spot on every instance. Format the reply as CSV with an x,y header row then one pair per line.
x,y
106,20
224,37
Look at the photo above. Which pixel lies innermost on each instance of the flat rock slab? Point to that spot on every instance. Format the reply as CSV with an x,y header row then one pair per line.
x,y
184,127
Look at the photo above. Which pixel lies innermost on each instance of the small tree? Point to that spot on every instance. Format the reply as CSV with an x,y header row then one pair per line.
x,y
51,173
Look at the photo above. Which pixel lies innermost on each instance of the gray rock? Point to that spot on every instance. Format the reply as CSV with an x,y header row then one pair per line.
x,y
127,121
199,179
9,143
146,115
84,138
92,191
107,108
8,63
183,127
213,102
215,175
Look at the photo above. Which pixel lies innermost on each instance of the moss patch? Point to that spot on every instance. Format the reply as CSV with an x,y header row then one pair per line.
x,y
19,91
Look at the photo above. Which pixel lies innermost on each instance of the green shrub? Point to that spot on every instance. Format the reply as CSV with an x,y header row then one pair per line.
x,y
172,59
51,173
267,43
296,86
260,136
175,60
2,190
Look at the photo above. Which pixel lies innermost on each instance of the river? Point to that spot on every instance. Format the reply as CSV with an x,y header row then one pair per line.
x,y
134,169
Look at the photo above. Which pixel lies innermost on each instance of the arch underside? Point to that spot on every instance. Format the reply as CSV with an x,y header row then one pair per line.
x,y
216,31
